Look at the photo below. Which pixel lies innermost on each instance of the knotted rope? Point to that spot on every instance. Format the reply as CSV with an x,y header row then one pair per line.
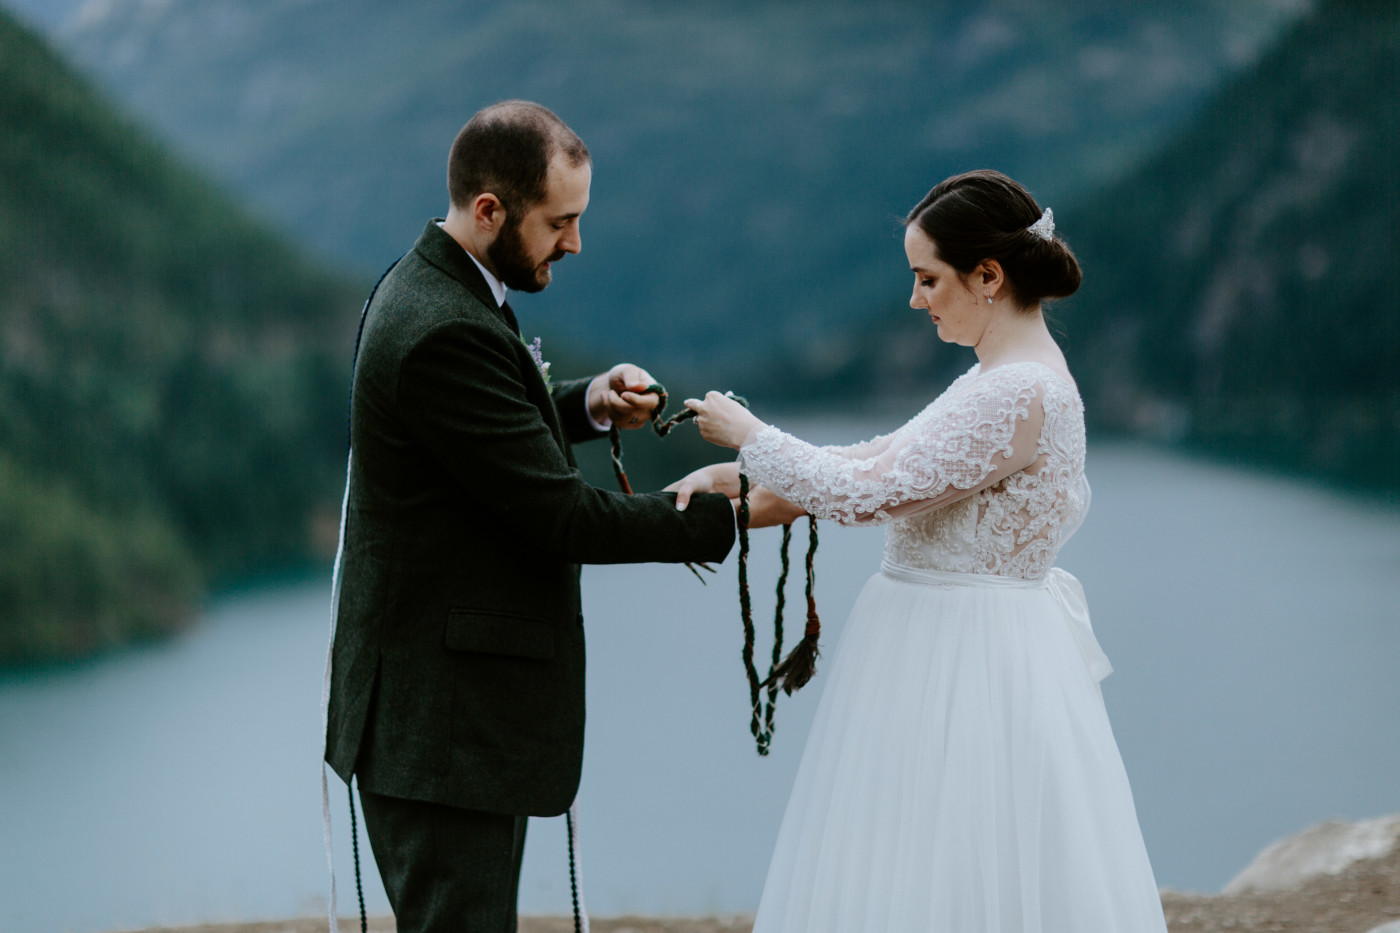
x,y
799,666
662,427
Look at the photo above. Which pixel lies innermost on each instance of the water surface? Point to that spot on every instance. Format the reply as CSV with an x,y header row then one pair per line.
x,y
1252,623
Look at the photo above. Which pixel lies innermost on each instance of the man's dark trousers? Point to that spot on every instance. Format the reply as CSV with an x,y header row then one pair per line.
x,y
446,868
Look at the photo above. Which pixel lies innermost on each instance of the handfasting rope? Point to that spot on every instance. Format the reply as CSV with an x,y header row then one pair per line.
x,y
794,672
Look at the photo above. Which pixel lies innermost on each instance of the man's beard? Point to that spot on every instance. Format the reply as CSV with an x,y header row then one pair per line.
x,y
512,263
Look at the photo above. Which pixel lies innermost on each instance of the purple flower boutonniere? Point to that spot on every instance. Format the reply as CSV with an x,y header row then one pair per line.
x,y
538,357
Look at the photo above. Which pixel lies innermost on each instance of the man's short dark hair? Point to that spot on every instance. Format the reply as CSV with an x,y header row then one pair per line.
x,y
505,150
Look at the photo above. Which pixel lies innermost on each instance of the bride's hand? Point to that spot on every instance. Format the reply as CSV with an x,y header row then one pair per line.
x,y
767,508
722,420
719,477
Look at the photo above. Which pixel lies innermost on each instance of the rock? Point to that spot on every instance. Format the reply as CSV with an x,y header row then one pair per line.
x,y
1392,927
1324,849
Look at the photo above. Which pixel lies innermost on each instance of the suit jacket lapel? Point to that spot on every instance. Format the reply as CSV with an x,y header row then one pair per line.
x,y
437,247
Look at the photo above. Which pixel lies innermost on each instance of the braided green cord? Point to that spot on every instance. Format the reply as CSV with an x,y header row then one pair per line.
x,y
761,723
770,681
615,454
811,572
761,737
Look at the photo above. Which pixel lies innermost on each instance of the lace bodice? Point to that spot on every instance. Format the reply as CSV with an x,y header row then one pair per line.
x,y
989,478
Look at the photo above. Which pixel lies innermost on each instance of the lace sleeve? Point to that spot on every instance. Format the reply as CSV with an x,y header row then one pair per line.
x,y
968,440
871,448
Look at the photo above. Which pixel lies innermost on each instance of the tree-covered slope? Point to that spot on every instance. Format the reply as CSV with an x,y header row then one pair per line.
x,y
1243,287
172,375
750,156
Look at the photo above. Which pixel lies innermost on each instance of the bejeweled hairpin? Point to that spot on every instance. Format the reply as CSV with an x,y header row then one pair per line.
x,y
1045,226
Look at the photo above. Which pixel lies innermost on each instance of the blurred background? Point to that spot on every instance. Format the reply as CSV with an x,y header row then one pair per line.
x,y
196,195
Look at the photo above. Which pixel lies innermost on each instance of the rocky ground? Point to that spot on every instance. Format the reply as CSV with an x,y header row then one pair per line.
x,y
1365,895
1312,883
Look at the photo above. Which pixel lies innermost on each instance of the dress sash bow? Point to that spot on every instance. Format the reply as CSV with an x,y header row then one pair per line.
x,y
1069,595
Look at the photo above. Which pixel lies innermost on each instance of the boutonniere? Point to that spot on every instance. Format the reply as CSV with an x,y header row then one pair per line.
x,y
538,357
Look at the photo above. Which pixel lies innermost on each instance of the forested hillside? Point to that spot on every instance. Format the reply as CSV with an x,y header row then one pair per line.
x,y
172,375
750,156
1243,287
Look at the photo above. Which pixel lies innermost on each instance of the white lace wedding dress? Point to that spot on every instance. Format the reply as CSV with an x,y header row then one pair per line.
x,y
961,775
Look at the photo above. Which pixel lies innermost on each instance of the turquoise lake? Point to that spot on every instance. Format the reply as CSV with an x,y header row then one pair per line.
x,y
1253,624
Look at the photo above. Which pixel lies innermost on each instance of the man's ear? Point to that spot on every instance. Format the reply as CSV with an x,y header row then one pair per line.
x,y
488,213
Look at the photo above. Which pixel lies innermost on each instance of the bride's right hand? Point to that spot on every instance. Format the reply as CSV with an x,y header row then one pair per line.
x,y
722,478
767,508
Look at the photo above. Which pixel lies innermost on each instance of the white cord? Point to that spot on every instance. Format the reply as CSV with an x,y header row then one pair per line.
x,y
578,863
326,696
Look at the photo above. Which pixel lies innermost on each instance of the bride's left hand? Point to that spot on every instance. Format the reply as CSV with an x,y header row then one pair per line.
x,y
722,420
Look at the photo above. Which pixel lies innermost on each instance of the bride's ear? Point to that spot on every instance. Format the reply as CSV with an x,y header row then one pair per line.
x,y
988,278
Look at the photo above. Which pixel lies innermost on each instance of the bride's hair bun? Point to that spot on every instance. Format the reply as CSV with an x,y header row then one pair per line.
x,y
986,215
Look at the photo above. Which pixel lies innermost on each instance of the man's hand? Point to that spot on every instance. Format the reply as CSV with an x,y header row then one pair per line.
x,y
722,420
719,477
767,508
616,396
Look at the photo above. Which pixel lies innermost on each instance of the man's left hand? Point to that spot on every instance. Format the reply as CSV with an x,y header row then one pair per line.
x,y
620,396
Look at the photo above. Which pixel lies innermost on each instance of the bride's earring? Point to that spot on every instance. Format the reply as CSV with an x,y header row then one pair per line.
x,y
989,299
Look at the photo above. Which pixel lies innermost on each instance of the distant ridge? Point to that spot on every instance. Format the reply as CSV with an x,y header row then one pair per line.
x,y
172,376
751,157
1242,289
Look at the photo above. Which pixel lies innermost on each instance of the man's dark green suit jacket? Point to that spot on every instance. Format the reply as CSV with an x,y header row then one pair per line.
x,y
458,664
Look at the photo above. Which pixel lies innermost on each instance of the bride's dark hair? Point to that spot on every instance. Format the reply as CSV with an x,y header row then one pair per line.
x,y
986,215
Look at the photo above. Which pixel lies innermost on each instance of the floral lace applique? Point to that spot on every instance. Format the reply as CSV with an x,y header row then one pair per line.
x,y
989,478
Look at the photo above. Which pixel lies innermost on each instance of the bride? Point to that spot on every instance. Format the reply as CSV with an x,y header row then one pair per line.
x,y
961,775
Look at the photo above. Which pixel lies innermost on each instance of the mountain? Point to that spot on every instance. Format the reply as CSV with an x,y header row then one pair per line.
x,y
1242,287
172,375
751,157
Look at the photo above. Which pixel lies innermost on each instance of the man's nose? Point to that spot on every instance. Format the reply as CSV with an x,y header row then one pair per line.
x,y
572,241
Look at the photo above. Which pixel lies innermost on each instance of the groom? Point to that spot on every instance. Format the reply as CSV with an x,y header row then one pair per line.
x,y
457,685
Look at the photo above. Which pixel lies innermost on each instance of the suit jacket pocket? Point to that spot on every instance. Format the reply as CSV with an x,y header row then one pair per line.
x,y
499,633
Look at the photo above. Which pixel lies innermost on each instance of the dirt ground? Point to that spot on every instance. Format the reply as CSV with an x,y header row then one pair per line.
x,y
527,925
1363,897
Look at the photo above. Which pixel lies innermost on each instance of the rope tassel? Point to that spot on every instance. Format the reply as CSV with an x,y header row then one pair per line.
x,y
800,666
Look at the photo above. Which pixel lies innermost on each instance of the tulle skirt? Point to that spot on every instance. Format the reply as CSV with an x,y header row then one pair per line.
x,y
961,775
